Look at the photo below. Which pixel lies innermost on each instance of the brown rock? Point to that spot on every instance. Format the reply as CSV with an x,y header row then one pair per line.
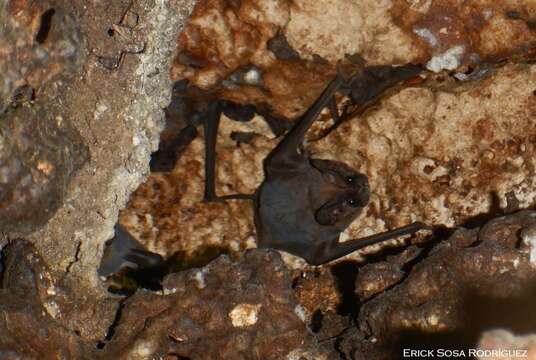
x,y
450,290
457,34
39,42
377,277
227,310
38,155
28,317
501,344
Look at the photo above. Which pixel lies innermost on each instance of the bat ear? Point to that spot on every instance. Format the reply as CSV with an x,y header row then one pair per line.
x,y
123,251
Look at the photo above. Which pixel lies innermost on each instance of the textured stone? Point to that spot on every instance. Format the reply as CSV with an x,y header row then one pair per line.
x,y
502,344
38,155
29,311
40,45
39,42
450,290
226,310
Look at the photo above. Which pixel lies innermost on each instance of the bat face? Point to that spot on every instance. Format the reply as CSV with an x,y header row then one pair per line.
x,y
341,196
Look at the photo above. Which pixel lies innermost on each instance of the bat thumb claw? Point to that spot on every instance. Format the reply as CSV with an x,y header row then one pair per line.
x,y
345,72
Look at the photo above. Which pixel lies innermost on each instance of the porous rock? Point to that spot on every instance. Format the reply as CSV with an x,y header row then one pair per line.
x,y
224,38
39,153
39,42
226,310
442,152
453,289
117,112
29,325
39,147
124,91
501,344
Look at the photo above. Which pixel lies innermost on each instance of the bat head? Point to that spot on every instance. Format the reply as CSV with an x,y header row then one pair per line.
x,y
341,196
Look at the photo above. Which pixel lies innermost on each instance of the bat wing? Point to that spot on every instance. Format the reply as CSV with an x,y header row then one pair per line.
x,y
125,251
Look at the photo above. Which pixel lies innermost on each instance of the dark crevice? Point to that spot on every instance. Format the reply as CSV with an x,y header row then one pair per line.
x,y
22,94
238,112
407,268
316,321
440,234
519,243
111,330
423,254
46,25
296,280
345,274
337,346
481,313
178,357
170,150
243,137
282,50
76,257
279,126
334,338
126,281
188,59
475,244
513,14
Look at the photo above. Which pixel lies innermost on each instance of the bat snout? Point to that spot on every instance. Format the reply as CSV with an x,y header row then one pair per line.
x,y
361,190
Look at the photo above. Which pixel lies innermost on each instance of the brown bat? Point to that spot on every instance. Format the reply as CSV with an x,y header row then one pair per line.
x,y
303,204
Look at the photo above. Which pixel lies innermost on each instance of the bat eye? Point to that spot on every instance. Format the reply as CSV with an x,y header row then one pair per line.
x,y
351,179
351,202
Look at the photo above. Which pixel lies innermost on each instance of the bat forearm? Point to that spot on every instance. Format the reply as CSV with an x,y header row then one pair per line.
x,y
287,149
338,249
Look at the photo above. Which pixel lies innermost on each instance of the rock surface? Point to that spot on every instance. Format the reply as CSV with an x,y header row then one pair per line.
x,y
39,147
511,346
226,310
78,84
453,148
475,280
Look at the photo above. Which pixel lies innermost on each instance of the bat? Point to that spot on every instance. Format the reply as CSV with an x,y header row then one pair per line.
x,y
303,204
